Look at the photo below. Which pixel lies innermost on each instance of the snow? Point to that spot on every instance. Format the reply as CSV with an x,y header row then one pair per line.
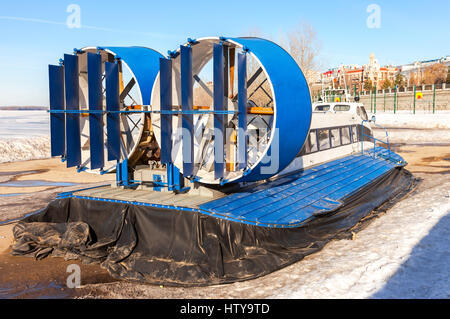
x,y
403,254
420,120
414,136
418,128
24,148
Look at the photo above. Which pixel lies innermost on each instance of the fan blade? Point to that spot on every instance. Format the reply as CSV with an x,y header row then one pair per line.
x,y
254,77
127,90
251,80
203,85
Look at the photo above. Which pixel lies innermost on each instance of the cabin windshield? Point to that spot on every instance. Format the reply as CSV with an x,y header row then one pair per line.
x,y
361,112
322,108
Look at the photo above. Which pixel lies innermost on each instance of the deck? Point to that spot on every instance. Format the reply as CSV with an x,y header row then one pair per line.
x,y
286,202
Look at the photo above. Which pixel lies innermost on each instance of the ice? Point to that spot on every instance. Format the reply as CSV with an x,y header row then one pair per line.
x,y
24,135
23,123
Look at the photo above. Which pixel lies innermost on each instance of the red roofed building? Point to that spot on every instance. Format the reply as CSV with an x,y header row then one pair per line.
x,y
351,75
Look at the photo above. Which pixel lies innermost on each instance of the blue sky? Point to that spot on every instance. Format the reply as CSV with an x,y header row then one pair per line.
x,y
34,34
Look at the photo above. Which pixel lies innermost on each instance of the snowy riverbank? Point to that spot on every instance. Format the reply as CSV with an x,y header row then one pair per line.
x,y
420,120
15,149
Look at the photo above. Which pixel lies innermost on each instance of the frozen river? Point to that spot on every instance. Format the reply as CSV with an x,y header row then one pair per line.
x,y
24,135
16,124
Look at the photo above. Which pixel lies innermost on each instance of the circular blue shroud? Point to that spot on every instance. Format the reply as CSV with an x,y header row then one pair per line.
x,y
143,63
292,100
292,116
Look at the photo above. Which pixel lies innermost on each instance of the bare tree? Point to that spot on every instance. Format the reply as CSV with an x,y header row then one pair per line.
x,y
435,74
413,79
302,43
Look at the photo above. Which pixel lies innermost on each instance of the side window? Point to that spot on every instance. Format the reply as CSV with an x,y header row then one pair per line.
x,y
345,133
324,139
322,108
354,134
341,108
313,141
305,149
335,137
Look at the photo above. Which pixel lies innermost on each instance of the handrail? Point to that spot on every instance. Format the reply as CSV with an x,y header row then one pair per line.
x,y
375,139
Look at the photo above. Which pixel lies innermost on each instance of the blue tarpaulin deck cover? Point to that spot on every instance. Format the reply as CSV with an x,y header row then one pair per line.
x,y
291,200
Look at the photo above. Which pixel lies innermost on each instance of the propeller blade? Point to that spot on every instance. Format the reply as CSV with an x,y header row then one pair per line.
x,y
250,81
203,85
127,90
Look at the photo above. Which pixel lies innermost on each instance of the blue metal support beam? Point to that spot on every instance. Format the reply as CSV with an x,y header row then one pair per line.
x,y
242,109
57,120
219,91
112,104
174,178
187,122
122,173
165,77
96,142
72,89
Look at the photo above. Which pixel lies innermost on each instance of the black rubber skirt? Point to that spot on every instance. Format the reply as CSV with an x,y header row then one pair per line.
x,y
175,248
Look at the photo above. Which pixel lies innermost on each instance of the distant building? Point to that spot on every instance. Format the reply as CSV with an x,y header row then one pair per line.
x,y
355,75
419,67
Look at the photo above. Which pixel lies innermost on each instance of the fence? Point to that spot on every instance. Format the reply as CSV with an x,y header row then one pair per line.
x,y
424,98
